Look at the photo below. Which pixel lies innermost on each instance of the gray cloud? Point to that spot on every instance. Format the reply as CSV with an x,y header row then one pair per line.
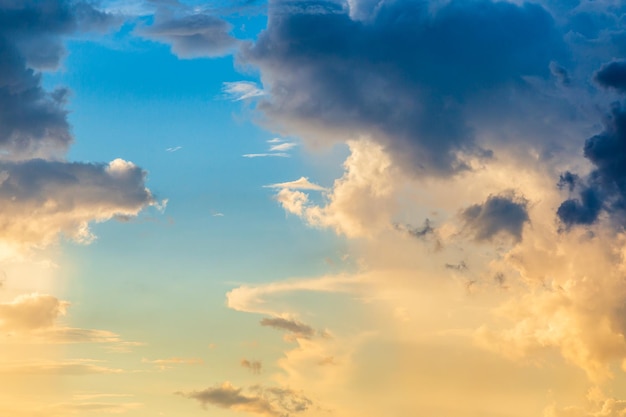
x,y
612,75
498,214
297,328
399,71
604,189
270,402
192,34
41,198
33,121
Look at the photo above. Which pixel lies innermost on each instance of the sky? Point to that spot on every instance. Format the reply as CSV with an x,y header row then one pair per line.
x,y
316,208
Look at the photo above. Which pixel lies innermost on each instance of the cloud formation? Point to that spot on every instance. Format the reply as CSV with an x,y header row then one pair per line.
x,y
33,121
42,198
296,328
497,215
41,194
612,75
604,189
404,75
191,34
271,402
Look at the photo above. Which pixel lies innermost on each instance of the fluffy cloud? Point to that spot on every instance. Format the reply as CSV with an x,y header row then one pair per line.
x,y
497,215
604,189
33,121
42,198
359,203
31,312
404,75
41,194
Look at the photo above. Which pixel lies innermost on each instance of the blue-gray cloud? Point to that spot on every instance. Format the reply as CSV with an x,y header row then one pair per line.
x,y
604,189
191,33
33,121
612,75
499,214
398,70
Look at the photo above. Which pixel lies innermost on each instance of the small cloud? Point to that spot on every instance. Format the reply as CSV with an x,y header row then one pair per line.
x,y
217,214
241,90
264,155
275,140
174,149
301,183
282,147
254,366
264,401
498,214
461,266
298,329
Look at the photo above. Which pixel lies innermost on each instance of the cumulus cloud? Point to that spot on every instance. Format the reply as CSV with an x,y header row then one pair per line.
x,y
42,198
32,311
405,75
604,189
190,34
41,194
360,202
497,215
33,121
271,402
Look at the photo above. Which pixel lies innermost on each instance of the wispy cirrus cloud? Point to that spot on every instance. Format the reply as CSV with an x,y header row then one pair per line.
x,y
301,183
241,90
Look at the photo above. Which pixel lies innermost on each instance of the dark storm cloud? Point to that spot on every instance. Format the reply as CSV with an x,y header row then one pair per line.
x,y
297,328
33,121
498,214
397,70
604,189
612,75
192,34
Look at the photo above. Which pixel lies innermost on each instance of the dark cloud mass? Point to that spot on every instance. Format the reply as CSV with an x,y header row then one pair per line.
x,y
498,214
612,75
41,195
604,189
397,70
32,120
